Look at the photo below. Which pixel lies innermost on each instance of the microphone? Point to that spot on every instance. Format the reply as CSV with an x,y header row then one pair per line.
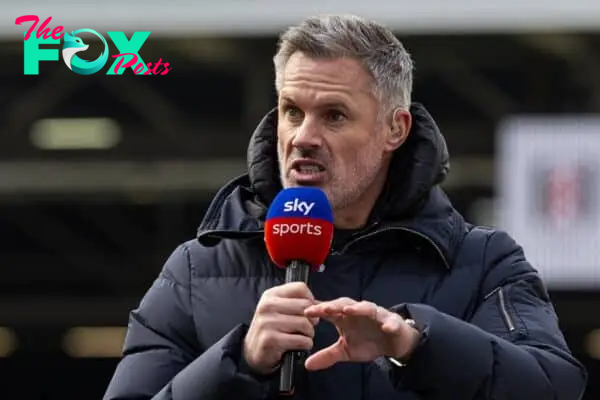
x,y
298,235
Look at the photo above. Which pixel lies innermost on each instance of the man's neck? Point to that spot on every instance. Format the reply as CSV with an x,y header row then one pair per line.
x,y
349,219
356,215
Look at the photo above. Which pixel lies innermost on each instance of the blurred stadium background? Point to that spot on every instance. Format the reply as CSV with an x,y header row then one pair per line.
x,y
102,176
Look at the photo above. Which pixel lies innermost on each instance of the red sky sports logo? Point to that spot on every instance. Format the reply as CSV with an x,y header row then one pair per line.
x,y
128,50
299,226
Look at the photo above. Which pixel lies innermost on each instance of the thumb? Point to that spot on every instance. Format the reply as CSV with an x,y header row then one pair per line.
x,y
327,357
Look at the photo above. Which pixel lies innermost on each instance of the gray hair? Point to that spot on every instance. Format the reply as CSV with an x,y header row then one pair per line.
x,y
340,36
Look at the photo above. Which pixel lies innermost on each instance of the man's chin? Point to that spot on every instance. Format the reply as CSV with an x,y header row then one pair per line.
x,y
292,184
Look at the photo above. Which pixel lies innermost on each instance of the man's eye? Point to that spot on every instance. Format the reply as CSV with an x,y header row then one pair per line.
x,y
335,116
292,112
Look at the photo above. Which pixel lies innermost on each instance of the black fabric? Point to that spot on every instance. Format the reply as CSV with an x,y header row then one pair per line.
x,y
489,328
341,237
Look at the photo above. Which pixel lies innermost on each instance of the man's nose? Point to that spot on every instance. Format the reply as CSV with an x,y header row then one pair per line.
x,y
307,136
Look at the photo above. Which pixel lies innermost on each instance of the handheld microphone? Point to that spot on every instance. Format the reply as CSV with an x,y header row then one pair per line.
x,y
298,235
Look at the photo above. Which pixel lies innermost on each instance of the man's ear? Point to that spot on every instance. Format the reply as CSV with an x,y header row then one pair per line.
x,y
400,124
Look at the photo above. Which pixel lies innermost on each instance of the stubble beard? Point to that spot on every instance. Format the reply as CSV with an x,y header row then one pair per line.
x,y
345,187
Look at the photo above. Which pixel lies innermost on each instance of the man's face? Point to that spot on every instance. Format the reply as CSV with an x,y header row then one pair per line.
x,y
329,133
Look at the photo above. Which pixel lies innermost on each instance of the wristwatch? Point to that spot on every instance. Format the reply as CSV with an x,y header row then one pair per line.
x,y
395,361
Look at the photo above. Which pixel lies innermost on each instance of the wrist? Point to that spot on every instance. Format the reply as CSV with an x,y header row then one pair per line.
x,y
402,356
257,371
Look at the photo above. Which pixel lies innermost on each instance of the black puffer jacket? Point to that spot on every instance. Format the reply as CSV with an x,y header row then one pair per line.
x,y
490,331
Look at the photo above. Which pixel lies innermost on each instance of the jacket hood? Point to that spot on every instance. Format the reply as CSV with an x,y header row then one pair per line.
x,y
411,196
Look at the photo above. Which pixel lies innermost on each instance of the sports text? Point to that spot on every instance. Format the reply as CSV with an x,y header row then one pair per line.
x,y
306,228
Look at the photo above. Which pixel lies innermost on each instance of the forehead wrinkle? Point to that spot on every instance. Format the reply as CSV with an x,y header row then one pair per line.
x,y
345,74
316,97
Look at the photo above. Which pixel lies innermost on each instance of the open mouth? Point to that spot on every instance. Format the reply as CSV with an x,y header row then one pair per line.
x,y
307,166
307,171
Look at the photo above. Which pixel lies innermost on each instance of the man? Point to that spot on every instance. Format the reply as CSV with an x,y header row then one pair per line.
x,y
413,303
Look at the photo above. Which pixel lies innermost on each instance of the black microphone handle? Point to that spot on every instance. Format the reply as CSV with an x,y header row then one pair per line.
x,y
296,271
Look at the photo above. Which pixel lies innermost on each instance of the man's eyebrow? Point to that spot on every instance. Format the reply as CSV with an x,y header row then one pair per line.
x,y
328,103
286,99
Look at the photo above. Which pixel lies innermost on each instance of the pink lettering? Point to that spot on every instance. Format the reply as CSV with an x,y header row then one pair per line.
x,y
56,31
167,69
42,30
130,63
157,68
148,71
138,69
28,18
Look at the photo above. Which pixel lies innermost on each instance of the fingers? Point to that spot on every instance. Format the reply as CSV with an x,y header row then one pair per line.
x,y
364,309
295,290
289,324
327,357
279,325
329,308
282,305
280,342
390,321
373,311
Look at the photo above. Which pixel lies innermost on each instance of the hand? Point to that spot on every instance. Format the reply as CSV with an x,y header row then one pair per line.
x,y
279,325
367,331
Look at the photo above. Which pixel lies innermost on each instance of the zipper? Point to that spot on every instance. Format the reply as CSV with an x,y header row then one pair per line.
x,y
504,310
395,228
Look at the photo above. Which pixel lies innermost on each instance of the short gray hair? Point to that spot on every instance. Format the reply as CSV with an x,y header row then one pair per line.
x,y
348,36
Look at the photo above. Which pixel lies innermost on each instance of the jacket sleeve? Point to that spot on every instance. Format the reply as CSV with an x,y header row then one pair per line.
x,y
512,348
162,358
